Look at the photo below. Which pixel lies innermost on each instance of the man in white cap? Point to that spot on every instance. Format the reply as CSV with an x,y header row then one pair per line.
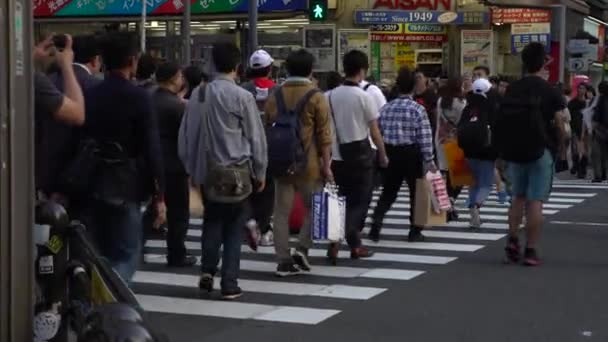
x,y
259,84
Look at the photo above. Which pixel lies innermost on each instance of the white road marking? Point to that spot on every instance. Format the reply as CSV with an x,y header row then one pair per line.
x,y
433,246
595,224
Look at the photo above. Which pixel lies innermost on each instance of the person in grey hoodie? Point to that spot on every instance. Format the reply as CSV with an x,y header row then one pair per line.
x,y
222,129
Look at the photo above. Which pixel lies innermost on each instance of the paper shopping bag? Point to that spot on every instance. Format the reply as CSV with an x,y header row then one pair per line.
x,y
328,216
439,193
424,215
459,171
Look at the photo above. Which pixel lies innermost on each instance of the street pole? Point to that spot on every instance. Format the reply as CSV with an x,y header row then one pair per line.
x,y
186,33
562,45
144,5
253,26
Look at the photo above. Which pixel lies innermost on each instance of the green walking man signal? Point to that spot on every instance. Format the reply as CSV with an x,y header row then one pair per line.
x,y
317,10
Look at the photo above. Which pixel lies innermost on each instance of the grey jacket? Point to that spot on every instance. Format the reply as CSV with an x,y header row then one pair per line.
x,y
234,131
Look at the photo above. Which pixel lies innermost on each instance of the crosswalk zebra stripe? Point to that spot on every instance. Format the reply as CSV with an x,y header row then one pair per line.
x,y
581,186
465,192
200,307
433,246
406,220
271,287
318,270
460,209
492,200
390,257
399,205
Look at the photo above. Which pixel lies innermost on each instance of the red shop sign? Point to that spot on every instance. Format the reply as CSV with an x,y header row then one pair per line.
x,y
410,38
408,5
520,15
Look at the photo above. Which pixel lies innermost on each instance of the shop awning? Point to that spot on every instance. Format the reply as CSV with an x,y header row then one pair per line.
x,y
577,5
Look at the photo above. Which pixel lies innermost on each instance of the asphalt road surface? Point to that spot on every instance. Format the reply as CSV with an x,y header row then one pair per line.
x,y
453,287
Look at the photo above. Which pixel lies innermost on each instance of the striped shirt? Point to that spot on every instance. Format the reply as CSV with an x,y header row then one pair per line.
x,y
405,122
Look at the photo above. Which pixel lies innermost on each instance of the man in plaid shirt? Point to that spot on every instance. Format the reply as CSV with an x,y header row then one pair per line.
x,y
408,139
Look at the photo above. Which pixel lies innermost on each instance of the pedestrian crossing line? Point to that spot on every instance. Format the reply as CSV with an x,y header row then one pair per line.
x,y
465,192
317,270
390,257
434,246
235,310
487,204
484,209
581,186
406,221
270,287
492,200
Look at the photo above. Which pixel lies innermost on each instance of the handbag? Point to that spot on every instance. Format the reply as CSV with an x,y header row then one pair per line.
x,y
78,176
328,215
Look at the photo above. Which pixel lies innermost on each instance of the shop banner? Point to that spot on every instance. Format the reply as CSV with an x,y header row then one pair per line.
x,y
520,15
601,36
424,29
477,49
524,34
352,39
412,38
369,17
320,40
375,56
405,56
83,8
387,29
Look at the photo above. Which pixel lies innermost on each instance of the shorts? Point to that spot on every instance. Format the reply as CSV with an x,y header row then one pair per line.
x,y
532,180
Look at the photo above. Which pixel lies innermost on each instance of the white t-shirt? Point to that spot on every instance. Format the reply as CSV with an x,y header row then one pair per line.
x,y
353,110
375,93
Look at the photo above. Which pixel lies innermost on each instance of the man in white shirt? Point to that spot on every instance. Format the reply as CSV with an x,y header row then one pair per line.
x,y
379,101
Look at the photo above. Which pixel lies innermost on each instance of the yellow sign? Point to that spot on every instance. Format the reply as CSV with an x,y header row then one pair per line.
x,y
425,29
387,29
404,56
54,244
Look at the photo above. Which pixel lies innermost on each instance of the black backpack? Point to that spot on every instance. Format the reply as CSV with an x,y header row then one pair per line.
x,y
520,133
474,131
286,153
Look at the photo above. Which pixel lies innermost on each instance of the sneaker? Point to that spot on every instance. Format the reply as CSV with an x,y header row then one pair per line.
x,y
512,251
232,294
287,270
531,257
267,239
301,260
475,221
252,234
502,197
415,235
206,282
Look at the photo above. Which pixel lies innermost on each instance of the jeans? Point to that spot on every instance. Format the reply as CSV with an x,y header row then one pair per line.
x,y
262,205
405,163
533,180
177,197
223,225
117,233
483,175
285,191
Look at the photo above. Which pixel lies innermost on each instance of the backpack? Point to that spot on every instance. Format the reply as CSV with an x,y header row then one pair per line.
x,y
520,135
286,153
473,130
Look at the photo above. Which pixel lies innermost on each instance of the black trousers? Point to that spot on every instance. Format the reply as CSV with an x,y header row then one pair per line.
x,y
356,185
261,205
405,163
177,199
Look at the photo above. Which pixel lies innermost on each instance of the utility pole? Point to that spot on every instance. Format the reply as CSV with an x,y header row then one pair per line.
x,y
186,33
253,26
144,11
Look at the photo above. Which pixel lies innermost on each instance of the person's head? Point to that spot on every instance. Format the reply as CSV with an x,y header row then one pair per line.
x,y
87,52
334,79
602,88
146,68
169,76
355,65
495,80
194,76
533,58
590,92
300,63
406,79
481,71
503,85
226,58
421,81
260,64
120,53
581,91
452,90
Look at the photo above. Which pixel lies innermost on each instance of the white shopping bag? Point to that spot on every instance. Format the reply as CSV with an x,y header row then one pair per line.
x,y
328,215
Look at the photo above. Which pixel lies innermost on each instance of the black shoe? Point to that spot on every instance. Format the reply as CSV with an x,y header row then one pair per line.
x,y
301,260
415,235
333,250
287,270
512,251
531,257
232,294
187,261
452,216
374,234
206,282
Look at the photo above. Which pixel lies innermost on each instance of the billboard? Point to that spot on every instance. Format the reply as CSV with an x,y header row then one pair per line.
x,y
86,8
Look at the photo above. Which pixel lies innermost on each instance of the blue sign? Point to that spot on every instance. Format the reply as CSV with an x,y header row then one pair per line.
x,y
373,17
519,41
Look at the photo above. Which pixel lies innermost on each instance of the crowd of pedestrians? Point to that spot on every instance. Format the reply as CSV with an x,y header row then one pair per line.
x,y
117,132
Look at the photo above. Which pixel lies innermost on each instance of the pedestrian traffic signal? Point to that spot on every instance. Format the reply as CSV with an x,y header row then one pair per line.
x,y
317,10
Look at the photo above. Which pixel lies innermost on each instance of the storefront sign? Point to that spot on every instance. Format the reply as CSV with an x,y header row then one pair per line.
x,y
552,65
477,49
601,36
520,15
427,29
413,4
411,38
577,46
387,28
405,56
320,41
369,17
524,34
352,40
83,8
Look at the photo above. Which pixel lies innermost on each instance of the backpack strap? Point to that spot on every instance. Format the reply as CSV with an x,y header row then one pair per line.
x,y
202,90
281,107
367,86
304,100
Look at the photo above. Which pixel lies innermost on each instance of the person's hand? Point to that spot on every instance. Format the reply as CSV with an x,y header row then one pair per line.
x,y
431,167
65,57
383,161
327,174
43,50
161,214
261,185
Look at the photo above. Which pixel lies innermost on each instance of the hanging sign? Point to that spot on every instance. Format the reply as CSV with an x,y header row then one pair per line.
x,y
369,17
520,15
524,34
477,49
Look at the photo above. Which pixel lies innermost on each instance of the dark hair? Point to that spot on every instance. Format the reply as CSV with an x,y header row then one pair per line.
x,y
495,79
354,61
117,48
451,91
591,90
484,68
166,71
226,57
146,67
194,75
603,88
257,73
86,48
334,79
299,63
405,80
533,57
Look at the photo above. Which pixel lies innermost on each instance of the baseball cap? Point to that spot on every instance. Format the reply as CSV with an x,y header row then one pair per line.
x,y
481,86
260,59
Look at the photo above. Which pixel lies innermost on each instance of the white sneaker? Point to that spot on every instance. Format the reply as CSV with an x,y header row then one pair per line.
x,y
475,221
267,239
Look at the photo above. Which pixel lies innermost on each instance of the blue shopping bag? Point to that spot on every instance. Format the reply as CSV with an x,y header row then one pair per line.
x,y
328,215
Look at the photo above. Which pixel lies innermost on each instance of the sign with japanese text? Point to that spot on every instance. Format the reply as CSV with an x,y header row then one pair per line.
x,y
427,29
352,39
84,8
434,5
387,28
520,15
524,34
411,38
477,49
409,33
371,17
